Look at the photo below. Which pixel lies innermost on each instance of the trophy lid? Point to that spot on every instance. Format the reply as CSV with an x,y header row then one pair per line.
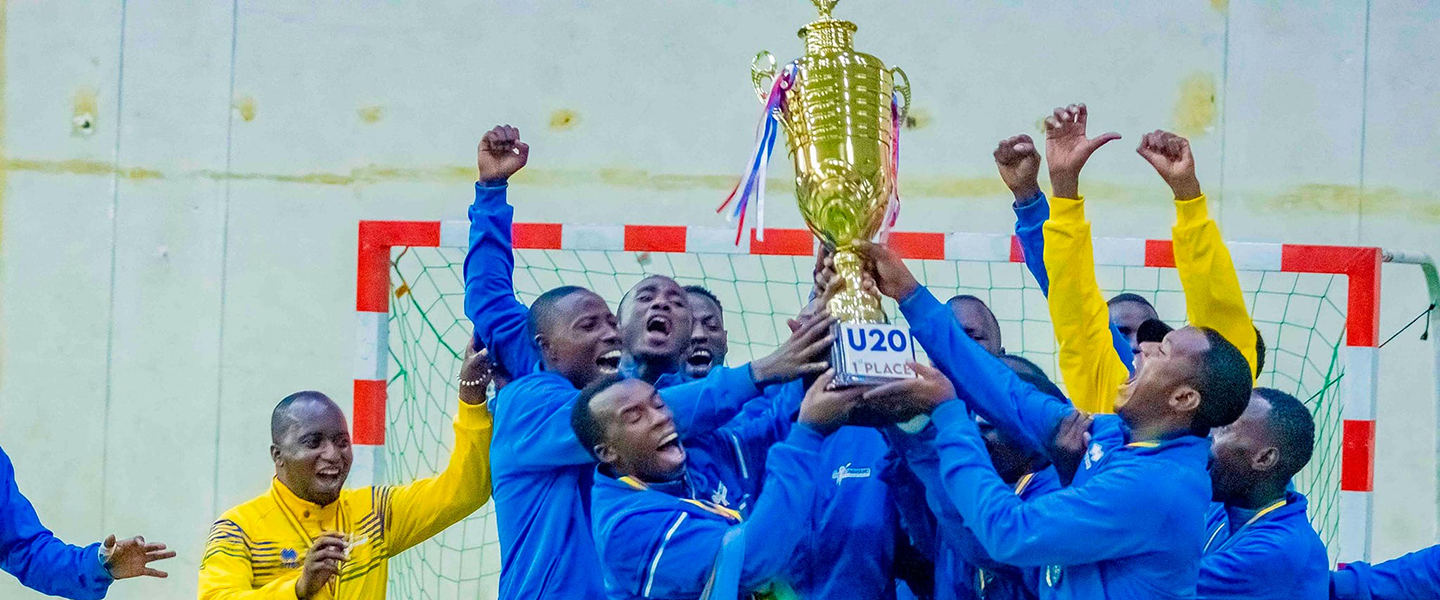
x,y
827,34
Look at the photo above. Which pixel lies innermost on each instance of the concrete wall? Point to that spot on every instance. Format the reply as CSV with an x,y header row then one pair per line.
x,y
182,181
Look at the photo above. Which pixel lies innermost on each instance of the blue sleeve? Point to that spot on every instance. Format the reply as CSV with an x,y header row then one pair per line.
x,y
754,431
1413,576
1030,217
499,318
986,385
34,556
682,559
1075,525
705,405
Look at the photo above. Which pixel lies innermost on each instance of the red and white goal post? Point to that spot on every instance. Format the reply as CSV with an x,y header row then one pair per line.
x,y
411,324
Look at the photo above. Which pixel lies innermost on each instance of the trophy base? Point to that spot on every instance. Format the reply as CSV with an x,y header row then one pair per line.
x,y
871,353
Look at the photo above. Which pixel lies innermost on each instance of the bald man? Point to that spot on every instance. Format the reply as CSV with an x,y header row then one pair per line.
x,y
308,538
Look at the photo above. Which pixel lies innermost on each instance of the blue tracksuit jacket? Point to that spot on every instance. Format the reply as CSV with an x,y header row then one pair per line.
x,y
1415,576
542,476
662,542
1278,555
1089,538
34,556
1030,217
849,551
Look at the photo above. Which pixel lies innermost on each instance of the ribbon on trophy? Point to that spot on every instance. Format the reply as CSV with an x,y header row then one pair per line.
x,y
752,183
892,208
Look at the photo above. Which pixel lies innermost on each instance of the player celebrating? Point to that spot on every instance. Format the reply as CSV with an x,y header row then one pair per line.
x,y
1152,457
307,537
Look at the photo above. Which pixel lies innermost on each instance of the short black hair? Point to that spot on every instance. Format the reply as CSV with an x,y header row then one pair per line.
x,y
701,290
1294,430
587,428
1224,381
541,309
973,298
1129,297
280,417
626,298
1259,352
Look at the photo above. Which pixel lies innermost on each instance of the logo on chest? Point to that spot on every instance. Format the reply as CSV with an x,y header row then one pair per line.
x,y
1093,457
846,472
289,558
721,495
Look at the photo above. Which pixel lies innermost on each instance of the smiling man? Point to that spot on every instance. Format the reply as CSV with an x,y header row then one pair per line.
x,y
654,315
1130,525
658,536
709,340
308,537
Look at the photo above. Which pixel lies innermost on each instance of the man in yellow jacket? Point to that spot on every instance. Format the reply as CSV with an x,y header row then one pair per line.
x,y
308,539
1088,364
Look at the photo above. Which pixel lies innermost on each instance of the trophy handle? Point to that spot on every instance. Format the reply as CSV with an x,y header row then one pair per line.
x,y
762,73
902,86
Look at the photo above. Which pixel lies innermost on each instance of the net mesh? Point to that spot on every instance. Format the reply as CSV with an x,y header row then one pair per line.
x,y
1301,318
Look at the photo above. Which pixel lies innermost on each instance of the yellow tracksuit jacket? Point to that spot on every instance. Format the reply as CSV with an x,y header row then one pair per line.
x,y
256,550
1091,371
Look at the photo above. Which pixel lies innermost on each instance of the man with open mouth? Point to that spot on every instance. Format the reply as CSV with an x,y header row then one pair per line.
x,y
657,537
565,340
709,340
1153,453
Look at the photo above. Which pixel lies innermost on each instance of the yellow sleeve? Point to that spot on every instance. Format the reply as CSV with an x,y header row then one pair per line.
x,y
225,569
1212,289
423,508
1089,368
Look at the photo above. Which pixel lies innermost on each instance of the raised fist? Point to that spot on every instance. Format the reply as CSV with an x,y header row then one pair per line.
x,y
501,154
1019,164
1067,147
1170,155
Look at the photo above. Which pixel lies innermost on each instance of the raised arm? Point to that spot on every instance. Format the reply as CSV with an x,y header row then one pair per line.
x,y
499,318
418,510
1089,366
1207,274
1019,163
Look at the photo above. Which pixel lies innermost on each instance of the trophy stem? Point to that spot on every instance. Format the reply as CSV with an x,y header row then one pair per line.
x,y
854,304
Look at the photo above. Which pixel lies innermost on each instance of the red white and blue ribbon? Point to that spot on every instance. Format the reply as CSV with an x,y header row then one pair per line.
x,y
752,183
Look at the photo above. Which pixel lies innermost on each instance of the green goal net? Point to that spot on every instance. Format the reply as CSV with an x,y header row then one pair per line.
x,y
1300,316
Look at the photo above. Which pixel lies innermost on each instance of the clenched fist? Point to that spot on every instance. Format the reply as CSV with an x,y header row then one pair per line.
x,y
501,154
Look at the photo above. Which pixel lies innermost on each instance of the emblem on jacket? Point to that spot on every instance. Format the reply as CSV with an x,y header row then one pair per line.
x,y
1094,455
289,558
721,495
845,472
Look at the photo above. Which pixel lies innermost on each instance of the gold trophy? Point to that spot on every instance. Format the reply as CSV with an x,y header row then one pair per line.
x,y
841,110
